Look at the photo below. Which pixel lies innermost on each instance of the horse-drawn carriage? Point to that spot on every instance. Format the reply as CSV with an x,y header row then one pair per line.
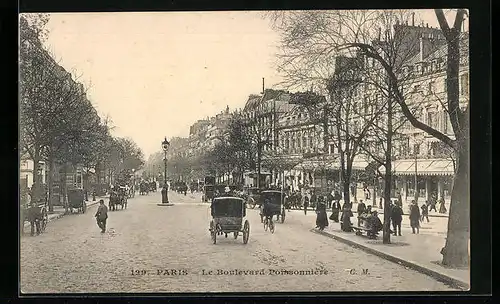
x,y
118,197
208,193
180,187
294,200
76,200
227,216
35,214
193,187
276,200
143,188
152,186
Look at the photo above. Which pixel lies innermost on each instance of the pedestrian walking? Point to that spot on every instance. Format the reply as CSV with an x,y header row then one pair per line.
x,y
321,217
345,223
400,200
396,218
102,216
414,217
380,203
313,200
335,211
306,204
425,212
361,209
432,203
442,208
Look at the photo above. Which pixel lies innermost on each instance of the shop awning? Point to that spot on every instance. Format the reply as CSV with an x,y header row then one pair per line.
x,y
424,167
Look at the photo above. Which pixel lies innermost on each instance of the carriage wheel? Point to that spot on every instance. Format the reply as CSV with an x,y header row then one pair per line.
x,y
266,224
84,207
271,226
213,232
246,232
283,217
235,234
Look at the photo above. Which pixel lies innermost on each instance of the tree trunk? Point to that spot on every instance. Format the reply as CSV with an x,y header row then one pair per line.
x,y
50,182
37,183
388,176
259,156
456,250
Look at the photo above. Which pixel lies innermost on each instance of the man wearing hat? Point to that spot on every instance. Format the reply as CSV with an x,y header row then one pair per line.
x,y
102,216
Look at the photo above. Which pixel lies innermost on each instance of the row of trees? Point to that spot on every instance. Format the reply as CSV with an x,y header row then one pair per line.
x,y
58,123
378,52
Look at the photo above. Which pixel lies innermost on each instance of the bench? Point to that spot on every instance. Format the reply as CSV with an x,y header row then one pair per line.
x,y
359,231
364,227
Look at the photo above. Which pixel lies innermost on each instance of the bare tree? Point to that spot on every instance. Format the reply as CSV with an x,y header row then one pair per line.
x,y
337,32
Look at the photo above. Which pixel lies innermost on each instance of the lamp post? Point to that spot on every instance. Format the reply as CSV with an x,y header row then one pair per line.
x,y
417,142
164,192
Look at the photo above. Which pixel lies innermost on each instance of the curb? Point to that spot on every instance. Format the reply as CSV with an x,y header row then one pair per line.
x,y
453,282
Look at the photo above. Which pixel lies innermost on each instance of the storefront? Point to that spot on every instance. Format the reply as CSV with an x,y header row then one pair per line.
x,y
431,176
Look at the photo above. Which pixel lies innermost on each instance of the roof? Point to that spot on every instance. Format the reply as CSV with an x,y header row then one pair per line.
x,y
227,197
441,50
254,101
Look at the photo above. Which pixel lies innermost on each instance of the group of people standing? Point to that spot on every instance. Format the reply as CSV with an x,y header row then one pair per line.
x,y
344,213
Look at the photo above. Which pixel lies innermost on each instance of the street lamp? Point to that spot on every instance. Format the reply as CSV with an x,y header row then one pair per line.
x,y
164,192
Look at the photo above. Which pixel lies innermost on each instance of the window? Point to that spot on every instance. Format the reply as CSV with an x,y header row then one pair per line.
x,y
304,142
431,119
464,84
416,88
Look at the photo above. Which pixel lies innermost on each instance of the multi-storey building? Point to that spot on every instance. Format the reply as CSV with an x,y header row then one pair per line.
x,y
424,163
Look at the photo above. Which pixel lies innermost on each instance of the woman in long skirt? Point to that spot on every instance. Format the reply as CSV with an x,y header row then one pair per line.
x,y
321,217
335,211
345,223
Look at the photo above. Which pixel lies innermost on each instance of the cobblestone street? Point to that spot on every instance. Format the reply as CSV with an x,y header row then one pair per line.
x,y
145,243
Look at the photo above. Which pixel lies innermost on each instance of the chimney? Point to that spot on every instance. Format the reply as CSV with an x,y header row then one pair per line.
x,y
427,25
263,86
413,19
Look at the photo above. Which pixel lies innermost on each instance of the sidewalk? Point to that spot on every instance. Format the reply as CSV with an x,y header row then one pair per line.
x,y
59,211
417,251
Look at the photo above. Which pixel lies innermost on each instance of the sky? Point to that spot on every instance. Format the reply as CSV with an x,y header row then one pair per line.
x,y
155,74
